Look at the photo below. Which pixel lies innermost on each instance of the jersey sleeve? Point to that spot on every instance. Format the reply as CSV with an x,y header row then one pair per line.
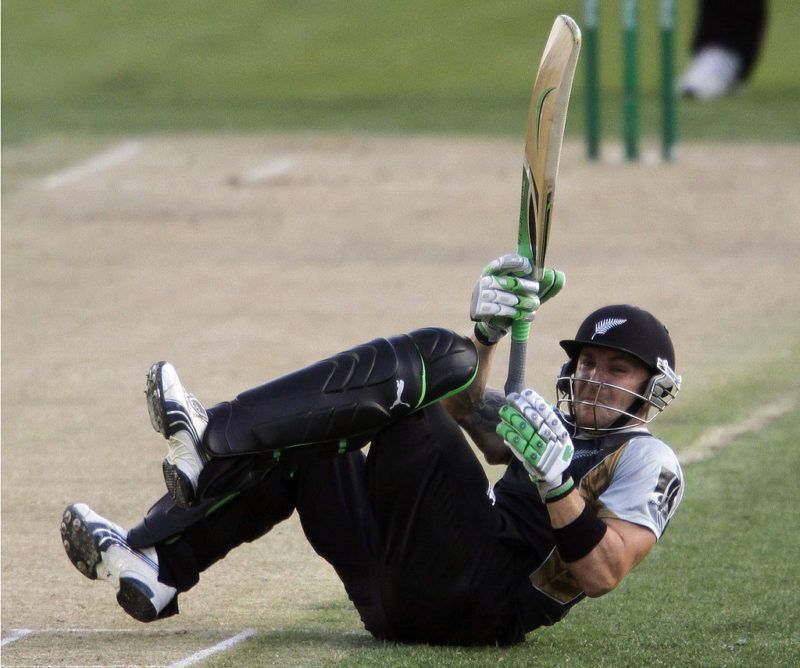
x,y
646,486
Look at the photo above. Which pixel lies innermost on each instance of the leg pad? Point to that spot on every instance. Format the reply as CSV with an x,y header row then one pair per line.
x,y
345,399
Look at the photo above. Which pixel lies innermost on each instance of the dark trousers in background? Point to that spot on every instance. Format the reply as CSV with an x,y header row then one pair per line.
x,y
736,24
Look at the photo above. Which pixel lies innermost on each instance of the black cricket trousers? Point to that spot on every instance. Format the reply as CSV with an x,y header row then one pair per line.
x,y
409,529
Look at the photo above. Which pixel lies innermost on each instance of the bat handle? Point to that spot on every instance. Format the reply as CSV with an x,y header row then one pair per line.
x,y
516,362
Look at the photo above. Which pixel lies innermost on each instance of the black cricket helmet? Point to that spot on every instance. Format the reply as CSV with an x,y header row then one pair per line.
x,y
631,330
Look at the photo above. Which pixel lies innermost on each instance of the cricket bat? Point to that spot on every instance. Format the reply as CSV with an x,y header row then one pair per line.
x,y
546,119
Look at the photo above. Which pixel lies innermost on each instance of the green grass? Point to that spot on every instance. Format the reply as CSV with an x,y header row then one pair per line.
x,y
446,66
720,589
745,390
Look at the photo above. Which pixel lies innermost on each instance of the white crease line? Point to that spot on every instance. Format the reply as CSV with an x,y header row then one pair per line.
x,y
162,632
114,156
57,630
266,172
717,438
16,634
219,647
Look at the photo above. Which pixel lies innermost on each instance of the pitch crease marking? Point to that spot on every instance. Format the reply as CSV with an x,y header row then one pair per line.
x,y
114,156
716,438
16,634
268,171
214,649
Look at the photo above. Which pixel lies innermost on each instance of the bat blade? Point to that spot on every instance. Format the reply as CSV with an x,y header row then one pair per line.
x,y
547,117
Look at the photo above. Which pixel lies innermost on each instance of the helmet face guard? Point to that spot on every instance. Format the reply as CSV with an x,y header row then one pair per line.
x,y
660,390
633,331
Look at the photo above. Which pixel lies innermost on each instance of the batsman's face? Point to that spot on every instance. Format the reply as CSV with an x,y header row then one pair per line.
x,y
607,382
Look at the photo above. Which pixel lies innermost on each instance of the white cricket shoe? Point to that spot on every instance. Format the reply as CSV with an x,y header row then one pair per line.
x,y
99,549
715,71
180,418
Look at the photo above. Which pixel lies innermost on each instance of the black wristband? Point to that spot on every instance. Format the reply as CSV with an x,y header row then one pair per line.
x,y
580,536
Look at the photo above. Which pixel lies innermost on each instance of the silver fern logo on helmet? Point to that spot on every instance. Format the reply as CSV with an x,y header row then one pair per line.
x,y
604,325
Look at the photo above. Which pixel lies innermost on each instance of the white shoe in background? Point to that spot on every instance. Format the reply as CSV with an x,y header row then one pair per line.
x,y
715,71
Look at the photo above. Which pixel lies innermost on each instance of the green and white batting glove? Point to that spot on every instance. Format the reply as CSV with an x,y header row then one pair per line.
x,y
536,436
550,285
504,294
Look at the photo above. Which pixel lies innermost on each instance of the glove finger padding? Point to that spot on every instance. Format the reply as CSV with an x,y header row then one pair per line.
x,y
492,306
491,293
546,414
517,429
513,284
512,263
502,296
536,436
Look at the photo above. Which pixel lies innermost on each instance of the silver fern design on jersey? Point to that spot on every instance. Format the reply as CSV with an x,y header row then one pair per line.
x,y
606,324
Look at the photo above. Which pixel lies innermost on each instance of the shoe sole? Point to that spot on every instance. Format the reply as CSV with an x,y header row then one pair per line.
x,y
133,596
79,543
178,485
155,399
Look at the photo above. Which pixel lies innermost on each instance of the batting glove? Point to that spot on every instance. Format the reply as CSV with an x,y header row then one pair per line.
x,y
536,436
550,285
503,295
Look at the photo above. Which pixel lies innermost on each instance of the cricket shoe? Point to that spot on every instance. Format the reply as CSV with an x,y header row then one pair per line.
x,y
714,72
99,549
180,418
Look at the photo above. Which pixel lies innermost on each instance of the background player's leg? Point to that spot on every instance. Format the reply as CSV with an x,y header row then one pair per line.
x,y
444,575
737,25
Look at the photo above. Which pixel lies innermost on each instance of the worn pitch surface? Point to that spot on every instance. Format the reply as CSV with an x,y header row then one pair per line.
x,y
239,258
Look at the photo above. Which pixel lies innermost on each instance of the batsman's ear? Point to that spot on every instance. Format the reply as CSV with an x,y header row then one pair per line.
x,y
562,382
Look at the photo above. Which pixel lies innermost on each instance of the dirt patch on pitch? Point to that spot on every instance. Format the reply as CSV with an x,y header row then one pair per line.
x,y
240,258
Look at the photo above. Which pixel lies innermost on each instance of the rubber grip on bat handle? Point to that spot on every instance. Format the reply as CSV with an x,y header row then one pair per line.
x,y
516,364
